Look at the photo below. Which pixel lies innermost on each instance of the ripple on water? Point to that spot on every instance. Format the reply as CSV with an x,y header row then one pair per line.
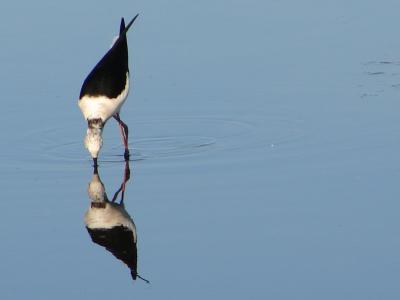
x,y
381,78
171,138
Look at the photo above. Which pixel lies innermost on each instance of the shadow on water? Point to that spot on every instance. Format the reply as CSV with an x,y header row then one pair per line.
x,y
109,224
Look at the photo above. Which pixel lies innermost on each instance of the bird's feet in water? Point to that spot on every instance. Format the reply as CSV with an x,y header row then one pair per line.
x,y
126,155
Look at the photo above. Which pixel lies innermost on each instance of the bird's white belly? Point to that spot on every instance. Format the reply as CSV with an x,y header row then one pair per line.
x,y
94,107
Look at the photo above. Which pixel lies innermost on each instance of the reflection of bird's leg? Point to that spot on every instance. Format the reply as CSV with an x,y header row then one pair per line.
x,y
127,172
127,175
116,194
124,133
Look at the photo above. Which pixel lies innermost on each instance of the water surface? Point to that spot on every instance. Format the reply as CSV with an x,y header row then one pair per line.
x,y
265,150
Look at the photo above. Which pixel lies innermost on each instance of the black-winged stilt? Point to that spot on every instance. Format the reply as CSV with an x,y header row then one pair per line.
x,y
104,91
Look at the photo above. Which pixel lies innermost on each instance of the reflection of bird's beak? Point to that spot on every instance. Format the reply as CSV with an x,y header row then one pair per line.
x,y
95,165
95,169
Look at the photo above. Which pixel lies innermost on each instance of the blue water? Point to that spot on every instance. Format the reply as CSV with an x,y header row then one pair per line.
x,y
265,141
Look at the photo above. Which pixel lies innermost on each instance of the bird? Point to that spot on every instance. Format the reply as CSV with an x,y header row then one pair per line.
x,y
104,91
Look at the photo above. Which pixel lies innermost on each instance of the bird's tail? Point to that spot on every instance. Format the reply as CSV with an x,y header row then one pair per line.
x,y
122,29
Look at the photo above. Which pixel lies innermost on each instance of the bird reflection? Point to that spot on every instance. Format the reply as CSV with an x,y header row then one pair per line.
x,y
109,224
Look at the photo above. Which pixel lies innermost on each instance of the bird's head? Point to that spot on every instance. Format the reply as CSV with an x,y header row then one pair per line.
x,y
93,139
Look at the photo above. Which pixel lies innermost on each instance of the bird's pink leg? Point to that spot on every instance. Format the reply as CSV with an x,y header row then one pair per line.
x,y
124,133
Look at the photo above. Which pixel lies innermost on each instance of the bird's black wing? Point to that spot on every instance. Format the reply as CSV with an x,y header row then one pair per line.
x,y
108,78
